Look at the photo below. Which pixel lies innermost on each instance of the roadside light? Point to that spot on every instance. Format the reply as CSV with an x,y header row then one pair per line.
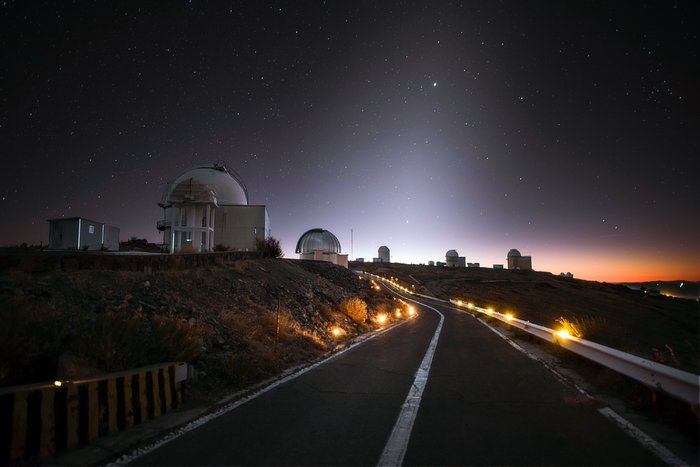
x,y
58,384
489,311
377,287
411,311
509,316
336,332
470,305
398,313
459,302
381,318
564,334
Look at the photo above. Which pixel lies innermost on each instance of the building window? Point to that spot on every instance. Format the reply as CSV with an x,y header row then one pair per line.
x,y
183,218
204,216
91,229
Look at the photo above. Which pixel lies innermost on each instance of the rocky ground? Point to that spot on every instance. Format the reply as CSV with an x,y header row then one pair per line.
x,y
222,319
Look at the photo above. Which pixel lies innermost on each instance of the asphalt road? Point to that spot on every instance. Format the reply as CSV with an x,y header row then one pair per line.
x,y
485,403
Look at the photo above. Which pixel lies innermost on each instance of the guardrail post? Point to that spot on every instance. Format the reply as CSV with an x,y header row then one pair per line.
x,y
48,423
19,427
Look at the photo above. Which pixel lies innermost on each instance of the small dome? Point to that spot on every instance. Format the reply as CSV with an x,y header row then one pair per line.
x,y
513,253
207,184
318,239
452,254
383,249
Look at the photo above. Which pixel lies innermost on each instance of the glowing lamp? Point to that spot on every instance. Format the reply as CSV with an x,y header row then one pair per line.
x,y
58,384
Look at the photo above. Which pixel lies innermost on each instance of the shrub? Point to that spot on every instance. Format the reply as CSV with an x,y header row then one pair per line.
x,y
355,308
270,248
113,341
173,340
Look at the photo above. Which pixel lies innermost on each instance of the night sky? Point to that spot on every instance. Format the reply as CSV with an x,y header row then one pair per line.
x,y
567,130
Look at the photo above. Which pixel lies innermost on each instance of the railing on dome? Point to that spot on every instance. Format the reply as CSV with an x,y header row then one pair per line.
x,y
221,165
189,191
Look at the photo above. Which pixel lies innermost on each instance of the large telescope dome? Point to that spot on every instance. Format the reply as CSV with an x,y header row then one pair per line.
x,y
214,183
318,239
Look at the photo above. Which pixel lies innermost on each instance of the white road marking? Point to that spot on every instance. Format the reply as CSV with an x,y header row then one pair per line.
x,y
561,378
396,446
142,451
642,438
645,440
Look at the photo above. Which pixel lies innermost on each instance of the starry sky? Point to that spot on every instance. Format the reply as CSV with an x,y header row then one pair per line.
x,y
567,130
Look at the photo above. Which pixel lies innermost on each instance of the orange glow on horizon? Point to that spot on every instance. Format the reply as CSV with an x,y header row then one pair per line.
x,y
621,266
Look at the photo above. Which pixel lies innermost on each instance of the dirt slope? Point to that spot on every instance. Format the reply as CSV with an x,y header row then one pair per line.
x,y
222,319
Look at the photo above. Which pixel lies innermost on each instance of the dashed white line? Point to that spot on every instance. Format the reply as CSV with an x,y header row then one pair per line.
x,y
396,446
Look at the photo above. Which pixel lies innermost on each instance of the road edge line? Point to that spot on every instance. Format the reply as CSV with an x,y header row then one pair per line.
x,y
199,421
642,438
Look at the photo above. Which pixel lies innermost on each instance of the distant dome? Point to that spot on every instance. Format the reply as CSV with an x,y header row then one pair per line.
x,y
318,239
207,184
452,254
513,253
383,249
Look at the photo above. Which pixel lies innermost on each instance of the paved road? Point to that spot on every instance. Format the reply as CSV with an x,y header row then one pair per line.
x,y
484,403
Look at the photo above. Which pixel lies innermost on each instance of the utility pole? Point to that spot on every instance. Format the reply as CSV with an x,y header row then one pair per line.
x,y
277,325
352,245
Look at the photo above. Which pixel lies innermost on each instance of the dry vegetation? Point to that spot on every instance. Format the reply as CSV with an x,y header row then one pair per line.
x,y
223,320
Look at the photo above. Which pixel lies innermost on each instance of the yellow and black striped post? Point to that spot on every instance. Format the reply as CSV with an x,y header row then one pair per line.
x,y
39,420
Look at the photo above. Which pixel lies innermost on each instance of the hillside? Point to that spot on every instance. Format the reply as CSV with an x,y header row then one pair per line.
x,y
661,328
221,318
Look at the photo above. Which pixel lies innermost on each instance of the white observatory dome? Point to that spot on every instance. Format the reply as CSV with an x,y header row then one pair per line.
x,y
513,253
451,254
208,184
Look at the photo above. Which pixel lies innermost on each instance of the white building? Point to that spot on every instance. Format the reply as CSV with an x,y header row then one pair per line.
x,y
517,261
383,254
321,245
207,207
78,233
453,259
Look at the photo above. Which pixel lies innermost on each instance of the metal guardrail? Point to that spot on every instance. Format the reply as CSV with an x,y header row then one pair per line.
x,y
38,420
680,384
672,381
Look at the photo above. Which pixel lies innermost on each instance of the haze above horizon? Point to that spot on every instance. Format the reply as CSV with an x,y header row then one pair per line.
x,y
565,130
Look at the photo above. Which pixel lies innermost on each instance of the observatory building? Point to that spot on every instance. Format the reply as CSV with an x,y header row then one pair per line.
x,y
207,207
517,261
321,245
453,259
383,254
78,233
